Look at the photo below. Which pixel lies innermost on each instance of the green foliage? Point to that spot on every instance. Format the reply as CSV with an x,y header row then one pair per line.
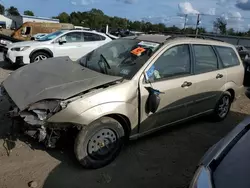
x,y
221,25
28,13
12,11
96,19
2,9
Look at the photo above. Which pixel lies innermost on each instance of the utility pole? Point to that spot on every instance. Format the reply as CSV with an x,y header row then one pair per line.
x,y
185,23
197,25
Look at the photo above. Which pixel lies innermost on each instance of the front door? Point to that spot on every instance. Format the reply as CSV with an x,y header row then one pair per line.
x,y
71,47
170,74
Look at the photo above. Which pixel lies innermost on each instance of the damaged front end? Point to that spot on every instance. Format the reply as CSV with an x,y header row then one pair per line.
x,y
35,120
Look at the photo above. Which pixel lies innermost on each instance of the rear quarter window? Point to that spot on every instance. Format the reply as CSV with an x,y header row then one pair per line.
x,y
228,56
88,37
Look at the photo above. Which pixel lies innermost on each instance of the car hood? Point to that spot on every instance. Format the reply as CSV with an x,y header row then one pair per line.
x,y
215,151
26,43
55,78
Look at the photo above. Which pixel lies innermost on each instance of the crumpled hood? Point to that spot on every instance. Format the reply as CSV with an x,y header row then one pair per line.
x,y
55,78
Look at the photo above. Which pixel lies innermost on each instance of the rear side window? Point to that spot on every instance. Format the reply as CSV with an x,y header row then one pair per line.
x,y
92,37
205,59
228,56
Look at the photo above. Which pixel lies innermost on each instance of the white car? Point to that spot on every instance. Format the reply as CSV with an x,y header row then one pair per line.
x,y
72,43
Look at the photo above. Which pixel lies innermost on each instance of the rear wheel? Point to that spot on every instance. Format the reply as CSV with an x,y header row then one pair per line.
x,y
39,56
223,106
99,143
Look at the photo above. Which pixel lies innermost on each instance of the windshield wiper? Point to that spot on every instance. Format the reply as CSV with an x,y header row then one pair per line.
x,y
106,64
105,61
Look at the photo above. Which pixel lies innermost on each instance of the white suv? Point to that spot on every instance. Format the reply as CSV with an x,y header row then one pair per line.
x,y
72,43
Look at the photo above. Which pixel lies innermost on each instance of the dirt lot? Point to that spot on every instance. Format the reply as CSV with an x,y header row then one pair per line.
x,y
166,159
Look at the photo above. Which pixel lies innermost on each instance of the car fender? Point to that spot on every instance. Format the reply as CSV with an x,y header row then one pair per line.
x,y
41,49
238,90
88,116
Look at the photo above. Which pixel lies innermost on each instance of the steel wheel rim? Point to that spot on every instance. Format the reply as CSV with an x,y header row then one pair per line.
x,y
224,106
40,58
102,143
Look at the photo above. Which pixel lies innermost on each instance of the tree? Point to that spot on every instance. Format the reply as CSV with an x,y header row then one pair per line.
x,y
28,13
231,31
221,24
63,17
12,11
2,9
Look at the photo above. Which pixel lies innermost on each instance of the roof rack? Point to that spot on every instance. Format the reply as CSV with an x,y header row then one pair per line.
x,y
194,36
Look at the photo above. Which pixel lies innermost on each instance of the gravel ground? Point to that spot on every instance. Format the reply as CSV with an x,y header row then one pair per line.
x,y
166,159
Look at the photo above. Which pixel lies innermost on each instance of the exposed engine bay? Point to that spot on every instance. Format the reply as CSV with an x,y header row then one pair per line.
x,y
35,124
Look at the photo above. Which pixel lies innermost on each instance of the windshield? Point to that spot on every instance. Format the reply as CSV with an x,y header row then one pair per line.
x,y
121,57
51,36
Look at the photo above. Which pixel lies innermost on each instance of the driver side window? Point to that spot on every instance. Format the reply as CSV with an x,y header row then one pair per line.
x,y
73,37
172,63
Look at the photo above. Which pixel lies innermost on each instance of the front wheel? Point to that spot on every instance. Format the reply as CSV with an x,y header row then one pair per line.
x,y
223,106
39,56
99,143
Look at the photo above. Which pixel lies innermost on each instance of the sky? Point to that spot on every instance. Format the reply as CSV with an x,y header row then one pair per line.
x,y
169,12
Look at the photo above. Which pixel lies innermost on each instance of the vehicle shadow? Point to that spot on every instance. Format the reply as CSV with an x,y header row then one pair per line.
x,y
7,66
168,157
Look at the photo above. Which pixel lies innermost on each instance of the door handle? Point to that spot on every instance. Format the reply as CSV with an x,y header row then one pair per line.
x,y
219,76
186,84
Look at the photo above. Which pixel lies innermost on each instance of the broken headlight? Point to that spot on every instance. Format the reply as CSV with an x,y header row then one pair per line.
x,y
39,112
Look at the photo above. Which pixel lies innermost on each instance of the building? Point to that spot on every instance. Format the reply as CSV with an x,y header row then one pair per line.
x,y
5,22
19,20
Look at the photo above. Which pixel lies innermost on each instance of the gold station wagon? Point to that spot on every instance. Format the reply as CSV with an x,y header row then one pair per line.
x,y
124,89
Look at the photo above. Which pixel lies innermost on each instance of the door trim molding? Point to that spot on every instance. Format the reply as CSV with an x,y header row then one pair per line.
x,y
139,135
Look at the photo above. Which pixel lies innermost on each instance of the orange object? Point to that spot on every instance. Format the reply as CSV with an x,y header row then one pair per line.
x,y
138,51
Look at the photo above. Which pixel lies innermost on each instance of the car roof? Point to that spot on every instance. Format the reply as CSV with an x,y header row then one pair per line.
x,y
178,38
86,31
151,38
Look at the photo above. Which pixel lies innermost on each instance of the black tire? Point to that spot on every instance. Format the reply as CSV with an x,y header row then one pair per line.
x,y
36,54
217,116
88,135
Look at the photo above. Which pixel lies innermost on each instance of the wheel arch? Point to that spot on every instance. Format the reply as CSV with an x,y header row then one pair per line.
x,y
231,88
124,121
232,92
46,50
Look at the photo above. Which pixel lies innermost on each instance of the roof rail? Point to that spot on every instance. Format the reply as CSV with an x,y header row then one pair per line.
x,y
194,36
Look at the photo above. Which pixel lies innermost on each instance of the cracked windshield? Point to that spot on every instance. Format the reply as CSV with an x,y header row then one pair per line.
x,y
124,93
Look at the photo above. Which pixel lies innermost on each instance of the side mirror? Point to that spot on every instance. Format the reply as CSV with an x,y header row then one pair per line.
x,y
62,41
153,101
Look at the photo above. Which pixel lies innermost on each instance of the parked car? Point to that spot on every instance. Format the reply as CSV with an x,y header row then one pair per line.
x,y
123,90
243,51
226,164
38,36
72,43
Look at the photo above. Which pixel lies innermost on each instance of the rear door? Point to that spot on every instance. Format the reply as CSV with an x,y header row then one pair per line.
x,y
72,47
210,79
91,42
232,64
